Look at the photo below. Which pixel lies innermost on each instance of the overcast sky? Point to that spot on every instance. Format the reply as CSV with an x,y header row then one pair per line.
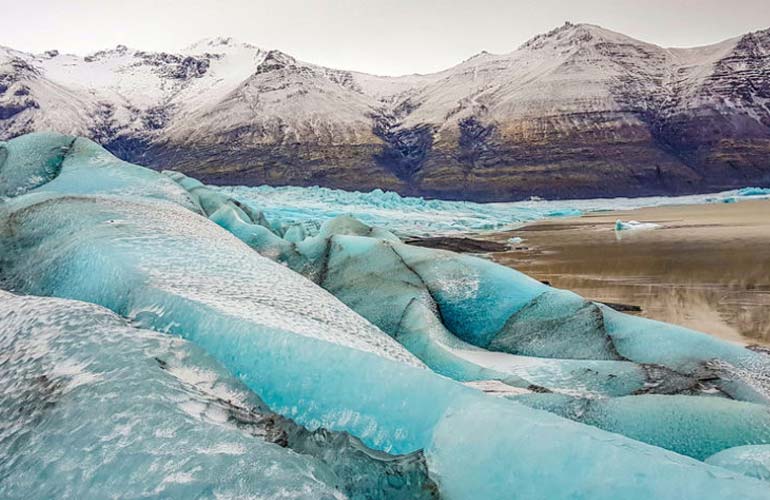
x,y
378,36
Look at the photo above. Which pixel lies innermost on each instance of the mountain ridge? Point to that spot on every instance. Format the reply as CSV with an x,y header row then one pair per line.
x,y
580,111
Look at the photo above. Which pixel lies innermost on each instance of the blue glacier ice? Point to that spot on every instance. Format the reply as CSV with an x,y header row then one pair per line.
x,y
690,425
420,284
106,408
31,161
470,469
478,303
405,215
53,163
88,412
143,250
752,460
420,217
754,192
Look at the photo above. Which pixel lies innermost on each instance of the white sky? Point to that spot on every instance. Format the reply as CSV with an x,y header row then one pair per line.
x,y
377,36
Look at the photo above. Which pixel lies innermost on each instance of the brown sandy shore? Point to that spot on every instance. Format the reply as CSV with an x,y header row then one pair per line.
x,y
707,267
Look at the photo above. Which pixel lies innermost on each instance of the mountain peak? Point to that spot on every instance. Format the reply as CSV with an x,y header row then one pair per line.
x,y
118,51
760,37
274,60
626,106
570,34
479,55
217,44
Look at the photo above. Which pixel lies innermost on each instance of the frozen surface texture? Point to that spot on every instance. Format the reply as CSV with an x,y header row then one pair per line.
x,y
753,460
92,408
104,408
245,290
30,161
469,471
690,425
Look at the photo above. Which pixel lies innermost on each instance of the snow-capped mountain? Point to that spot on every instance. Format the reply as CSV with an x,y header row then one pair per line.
x,y
579,111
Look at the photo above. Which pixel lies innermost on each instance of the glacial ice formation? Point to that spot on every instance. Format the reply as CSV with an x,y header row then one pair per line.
x,y
53,163
752,460
690,425
410,216
753,192
469,468
407,215
88,412
343,364
477,304
30,161
109,409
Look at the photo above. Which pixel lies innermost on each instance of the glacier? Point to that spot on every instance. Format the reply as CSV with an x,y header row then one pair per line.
x,y
687,424
416,216
106,408
86,403
341,328
445,306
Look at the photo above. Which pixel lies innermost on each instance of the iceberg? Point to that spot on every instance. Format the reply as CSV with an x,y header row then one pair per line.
x,y
335,358
634,225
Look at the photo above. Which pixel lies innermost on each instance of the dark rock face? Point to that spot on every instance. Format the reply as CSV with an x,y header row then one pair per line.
x,y
480,167
627,162
475,143
343,167
14,93
405,150
12,109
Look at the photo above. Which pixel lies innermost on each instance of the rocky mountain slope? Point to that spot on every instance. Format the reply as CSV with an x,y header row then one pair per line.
x,y
580,111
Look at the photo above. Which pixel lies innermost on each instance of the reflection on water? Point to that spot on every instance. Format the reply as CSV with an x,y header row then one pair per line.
x,y
713,277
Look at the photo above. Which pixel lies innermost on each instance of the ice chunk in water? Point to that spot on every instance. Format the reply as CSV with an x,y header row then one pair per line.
x,y
634,225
